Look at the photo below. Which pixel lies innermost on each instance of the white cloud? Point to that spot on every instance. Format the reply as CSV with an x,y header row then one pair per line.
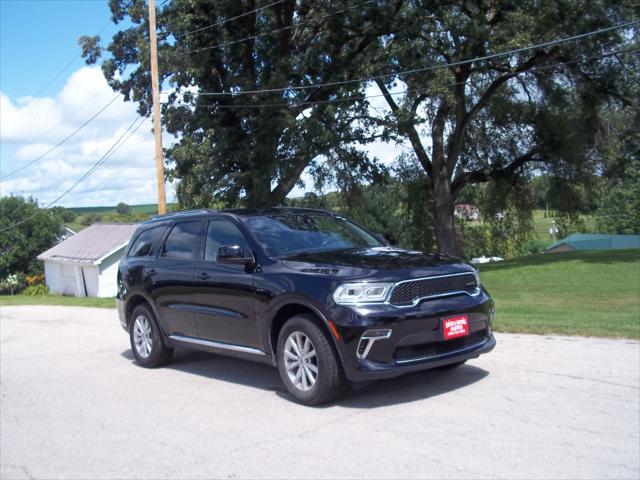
x,y
31,126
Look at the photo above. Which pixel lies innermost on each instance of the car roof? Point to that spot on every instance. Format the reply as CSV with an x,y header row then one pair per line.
x,y
239,212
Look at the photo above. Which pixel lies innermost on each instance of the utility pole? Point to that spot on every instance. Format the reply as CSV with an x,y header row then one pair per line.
x,y
157,128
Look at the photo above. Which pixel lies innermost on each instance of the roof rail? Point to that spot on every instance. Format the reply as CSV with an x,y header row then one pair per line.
x,y
183,212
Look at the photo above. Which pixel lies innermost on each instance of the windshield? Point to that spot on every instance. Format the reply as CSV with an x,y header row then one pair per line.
x,y
286,234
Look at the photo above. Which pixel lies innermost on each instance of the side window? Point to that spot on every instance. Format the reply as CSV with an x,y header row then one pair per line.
x,y
220,233
182,242
147,242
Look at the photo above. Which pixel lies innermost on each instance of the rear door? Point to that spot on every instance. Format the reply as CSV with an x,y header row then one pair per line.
x,y
225,293
173,278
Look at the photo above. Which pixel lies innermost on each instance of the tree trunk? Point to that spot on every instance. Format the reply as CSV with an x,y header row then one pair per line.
x,y
443,207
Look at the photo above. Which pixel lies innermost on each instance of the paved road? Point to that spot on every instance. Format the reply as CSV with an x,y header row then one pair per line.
x,y
74,405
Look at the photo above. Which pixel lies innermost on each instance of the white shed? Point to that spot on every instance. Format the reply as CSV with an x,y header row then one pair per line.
x,y
86,264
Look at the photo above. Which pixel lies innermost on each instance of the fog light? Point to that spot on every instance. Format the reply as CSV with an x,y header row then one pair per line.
x,y
367,340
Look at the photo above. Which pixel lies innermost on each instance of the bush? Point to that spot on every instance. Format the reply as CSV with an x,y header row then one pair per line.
x,y
36,290
533,247
475,241
12,283
35,279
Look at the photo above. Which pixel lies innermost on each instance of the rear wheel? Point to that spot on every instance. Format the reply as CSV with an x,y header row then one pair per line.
x,y
146,342
307,362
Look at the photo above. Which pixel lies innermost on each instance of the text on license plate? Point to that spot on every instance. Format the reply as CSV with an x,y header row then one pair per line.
x,y
454,327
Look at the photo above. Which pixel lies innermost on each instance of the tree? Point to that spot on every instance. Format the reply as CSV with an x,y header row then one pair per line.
x,y
510,115
19,245
619,189
123,209
250,148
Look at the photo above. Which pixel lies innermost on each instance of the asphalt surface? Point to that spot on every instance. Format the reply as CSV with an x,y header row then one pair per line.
x,y
75,405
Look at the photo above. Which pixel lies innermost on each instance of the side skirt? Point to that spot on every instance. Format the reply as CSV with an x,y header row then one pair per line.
x,y
222,348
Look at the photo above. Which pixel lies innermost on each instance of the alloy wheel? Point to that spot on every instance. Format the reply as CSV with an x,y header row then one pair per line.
x,y
301,361
142,336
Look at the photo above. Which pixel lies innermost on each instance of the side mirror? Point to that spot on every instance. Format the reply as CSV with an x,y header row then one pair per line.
x,y
233,255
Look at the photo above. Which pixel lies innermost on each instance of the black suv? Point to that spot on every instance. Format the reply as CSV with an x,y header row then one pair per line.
x,y
308,291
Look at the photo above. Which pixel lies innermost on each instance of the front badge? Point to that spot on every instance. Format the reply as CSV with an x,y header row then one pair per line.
x,y
455,327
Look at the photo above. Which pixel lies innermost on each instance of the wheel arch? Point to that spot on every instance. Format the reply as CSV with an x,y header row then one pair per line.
x,y
136,299
291,308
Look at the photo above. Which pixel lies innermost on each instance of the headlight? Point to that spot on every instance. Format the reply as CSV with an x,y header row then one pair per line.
x,y
476,273
360,293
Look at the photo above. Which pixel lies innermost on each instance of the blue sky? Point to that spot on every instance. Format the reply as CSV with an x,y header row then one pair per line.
x,y
38,38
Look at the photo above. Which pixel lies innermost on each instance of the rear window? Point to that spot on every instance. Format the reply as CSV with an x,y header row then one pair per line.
x,y
182,242
146,242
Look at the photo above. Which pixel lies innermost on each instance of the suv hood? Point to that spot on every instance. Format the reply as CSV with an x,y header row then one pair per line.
x,y
363,261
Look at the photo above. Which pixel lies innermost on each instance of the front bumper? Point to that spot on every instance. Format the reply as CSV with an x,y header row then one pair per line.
x,y
416,340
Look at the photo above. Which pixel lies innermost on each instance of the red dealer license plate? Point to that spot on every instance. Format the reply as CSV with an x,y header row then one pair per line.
x,y
455,327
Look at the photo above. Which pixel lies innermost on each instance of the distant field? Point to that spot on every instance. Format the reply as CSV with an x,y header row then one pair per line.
x,y
579,293
149,209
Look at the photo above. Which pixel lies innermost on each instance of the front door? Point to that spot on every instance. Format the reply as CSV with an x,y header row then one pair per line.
x,y
225,309
173,278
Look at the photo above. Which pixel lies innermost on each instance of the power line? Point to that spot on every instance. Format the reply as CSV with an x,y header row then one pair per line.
x,y
227,20
61,142
277,30
64,119
453,84
110,151
426,69
71,62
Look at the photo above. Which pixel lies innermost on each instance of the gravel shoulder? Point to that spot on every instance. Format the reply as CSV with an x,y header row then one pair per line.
x,y
75,405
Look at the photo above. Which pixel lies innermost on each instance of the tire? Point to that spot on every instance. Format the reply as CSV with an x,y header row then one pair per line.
x,y
329,383
451,366
148,349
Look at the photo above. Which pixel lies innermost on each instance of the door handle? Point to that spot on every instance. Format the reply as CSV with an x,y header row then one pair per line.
x,y
203,276
151,272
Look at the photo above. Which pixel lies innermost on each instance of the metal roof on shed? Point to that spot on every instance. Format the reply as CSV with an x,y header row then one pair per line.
x,y
91,245
597,241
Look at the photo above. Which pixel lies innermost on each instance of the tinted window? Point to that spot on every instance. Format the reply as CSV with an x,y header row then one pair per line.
x,y
289,233
182,242
219,233
147,242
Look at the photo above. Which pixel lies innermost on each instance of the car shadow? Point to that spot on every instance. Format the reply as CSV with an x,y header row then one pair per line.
x,y
405,389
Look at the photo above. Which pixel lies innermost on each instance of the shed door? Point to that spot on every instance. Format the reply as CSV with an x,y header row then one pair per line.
x,y
68,279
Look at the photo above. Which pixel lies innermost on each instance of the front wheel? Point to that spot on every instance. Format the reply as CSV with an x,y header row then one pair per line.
x,y
307,362
146,343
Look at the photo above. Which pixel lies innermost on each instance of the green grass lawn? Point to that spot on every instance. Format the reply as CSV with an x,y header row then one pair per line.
x,y
579,293
57,300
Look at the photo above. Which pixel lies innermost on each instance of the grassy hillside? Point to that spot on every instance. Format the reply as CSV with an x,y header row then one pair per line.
x,y
587,293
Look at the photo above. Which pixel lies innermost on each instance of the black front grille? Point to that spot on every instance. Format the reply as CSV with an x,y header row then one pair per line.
x,y
424,351
408,292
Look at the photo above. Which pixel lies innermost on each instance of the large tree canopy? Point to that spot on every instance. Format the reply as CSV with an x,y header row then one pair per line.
x,y
484,120
243,146
261,91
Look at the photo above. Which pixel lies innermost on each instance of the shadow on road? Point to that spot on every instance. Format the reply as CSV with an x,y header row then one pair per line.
x,y
407,388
